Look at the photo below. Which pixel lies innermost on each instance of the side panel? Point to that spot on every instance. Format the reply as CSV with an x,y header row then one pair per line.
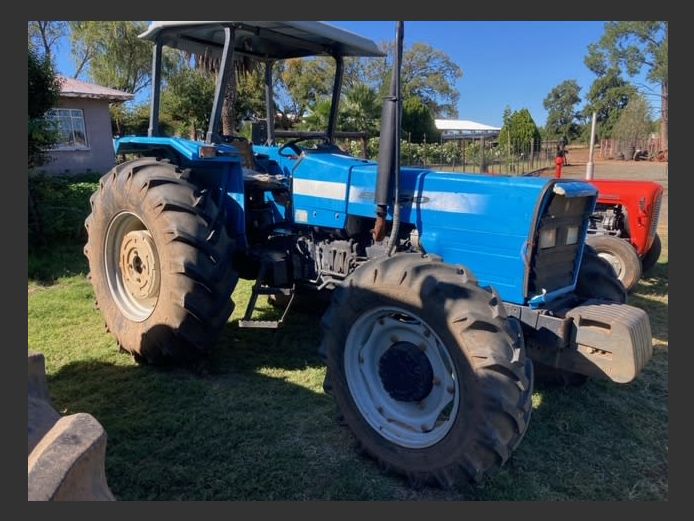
x,y
320,185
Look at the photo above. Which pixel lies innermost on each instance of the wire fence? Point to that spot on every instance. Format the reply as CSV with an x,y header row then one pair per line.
x,y
478,156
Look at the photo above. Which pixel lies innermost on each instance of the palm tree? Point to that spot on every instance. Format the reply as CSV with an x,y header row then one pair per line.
x,y
361,110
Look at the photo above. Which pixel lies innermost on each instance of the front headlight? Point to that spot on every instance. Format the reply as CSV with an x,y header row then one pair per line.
x,y
548,238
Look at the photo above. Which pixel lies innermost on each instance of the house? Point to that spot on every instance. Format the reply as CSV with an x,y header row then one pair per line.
x,y
84,123
461,129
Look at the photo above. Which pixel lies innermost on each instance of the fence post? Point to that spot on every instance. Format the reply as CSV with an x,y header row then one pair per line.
x,y
532,153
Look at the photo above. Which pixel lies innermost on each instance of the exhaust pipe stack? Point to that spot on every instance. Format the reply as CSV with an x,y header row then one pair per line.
x,y
389,150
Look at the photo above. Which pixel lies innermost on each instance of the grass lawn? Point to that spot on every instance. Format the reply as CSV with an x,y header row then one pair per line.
x,y
258,426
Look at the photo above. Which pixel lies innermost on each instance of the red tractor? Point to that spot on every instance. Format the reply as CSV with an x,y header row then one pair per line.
x,y
623,227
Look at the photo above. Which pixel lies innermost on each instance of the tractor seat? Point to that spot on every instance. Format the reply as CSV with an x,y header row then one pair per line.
x,y
253,174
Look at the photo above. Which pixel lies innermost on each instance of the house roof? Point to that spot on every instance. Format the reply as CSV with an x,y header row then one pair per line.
x,y
72,88
463,125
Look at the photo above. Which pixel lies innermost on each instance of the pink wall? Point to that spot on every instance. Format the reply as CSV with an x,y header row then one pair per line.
x,y
99,157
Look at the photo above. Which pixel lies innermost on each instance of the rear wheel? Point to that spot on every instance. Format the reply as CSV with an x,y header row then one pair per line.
x,y
428,372
159,258
652,255
621,256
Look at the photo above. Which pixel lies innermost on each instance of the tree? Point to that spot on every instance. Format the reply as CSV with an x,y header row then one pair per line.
x,y
250,98
430,74
361,110
307,81
608,97
634,124
634,46
318,116
44,35
427,73
418,121
521,129
113,53
188,98
560,104
44,91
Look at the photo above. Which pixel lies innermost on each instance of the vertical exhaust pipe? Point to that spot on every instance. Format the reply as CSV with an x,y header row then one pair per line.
x,y
389,149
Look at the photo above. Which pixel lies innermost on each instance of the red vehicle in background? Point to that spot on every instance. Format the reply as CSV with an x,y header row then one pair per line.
x,y
623,227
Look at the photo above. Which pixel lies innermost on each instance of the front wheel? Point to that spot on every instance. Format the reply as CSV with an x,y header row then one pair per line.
x,y
621,256
652,255
426,369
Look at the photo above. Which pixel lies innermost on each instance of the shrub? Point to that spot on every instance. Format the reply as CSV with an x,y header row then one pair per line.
x,y
60,207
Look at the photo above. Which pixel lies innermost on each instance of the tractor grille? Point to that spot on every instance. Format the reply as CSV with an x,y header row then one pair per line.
x,y
655,216
552,268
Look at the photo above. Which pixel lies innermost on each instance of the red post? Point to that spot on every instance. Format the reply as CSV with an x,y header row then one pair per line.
x,y
559,162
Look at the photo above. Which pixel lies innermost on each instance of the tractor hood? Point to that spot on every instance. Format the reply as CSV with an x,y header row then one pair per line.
x,y
487,223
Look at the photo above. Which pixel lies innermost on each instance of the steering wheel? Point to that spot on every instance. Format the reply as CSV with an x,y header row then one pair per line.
x,y
291,145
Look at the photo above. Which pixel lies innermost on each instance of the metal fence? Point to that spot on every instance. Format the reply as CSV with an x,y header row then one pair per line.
x,y
627,149
487,158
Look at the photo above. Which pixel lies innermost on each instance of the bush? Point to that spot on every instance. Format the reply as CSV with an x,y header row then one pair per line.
x,y
60,206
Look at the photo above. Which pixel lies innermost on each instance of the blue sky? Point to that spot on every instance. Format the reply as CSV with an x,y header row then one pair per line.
x,y
504,63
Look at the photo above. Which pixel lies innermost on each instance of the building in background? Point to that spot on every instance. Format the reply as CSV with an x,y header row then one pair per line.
x,y
462,129
83,121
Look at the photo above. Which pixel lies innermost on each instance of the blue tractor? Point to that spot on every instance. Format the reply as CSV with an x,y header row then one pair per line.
x,y
448,290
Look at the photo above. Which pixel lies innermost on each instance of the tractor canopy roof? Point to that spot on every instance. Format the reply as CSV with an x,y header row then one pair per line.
x,y
264,40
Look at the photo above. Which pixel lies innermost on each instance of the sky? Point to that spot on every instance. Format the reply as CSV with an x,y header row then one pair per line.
x,y
510,63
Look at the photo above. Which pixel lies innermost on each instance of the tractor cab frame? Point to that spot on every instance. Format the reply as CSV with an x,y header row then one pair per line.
x,y
266,42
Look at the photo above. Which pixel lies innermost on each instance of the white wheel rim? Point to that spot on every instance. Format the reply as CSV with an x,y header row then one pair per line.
x,y
614,262
135,298
410,423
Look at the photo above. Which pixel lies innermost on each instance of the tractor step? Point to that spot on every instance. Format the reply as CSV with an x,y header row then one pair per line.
x,y
260,324
259,289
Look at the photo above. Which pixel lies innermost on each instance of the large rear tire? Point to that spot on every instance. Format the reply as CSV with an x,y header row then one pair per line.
x,y
160,261
427,371
621,256
652,255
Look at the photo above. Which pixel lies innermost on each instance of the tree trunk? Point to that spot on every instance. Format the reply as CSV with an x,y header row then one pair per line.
x,y
663,116
228,126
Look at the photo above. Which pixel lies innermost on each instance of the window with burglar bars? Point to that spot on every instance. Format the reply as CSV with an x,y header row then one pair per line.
x,y
70,126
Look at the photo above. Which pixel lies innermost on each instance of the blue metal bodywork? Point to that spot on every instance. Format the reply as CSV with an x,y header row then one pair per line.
x,y
486,223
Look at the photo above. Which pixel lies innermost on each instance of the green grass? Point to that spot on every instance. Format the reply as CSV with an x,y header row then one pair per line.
x,y
257,424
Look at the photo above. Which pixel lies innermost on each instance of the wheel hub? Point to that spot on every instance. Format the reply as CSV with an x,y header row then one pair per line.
x,y
132,266
614,262
138,264
401,377
406,372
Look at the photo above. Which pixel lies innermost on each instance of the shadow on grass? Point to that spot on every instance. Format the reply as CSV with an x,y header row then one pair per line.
x,y
259,427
